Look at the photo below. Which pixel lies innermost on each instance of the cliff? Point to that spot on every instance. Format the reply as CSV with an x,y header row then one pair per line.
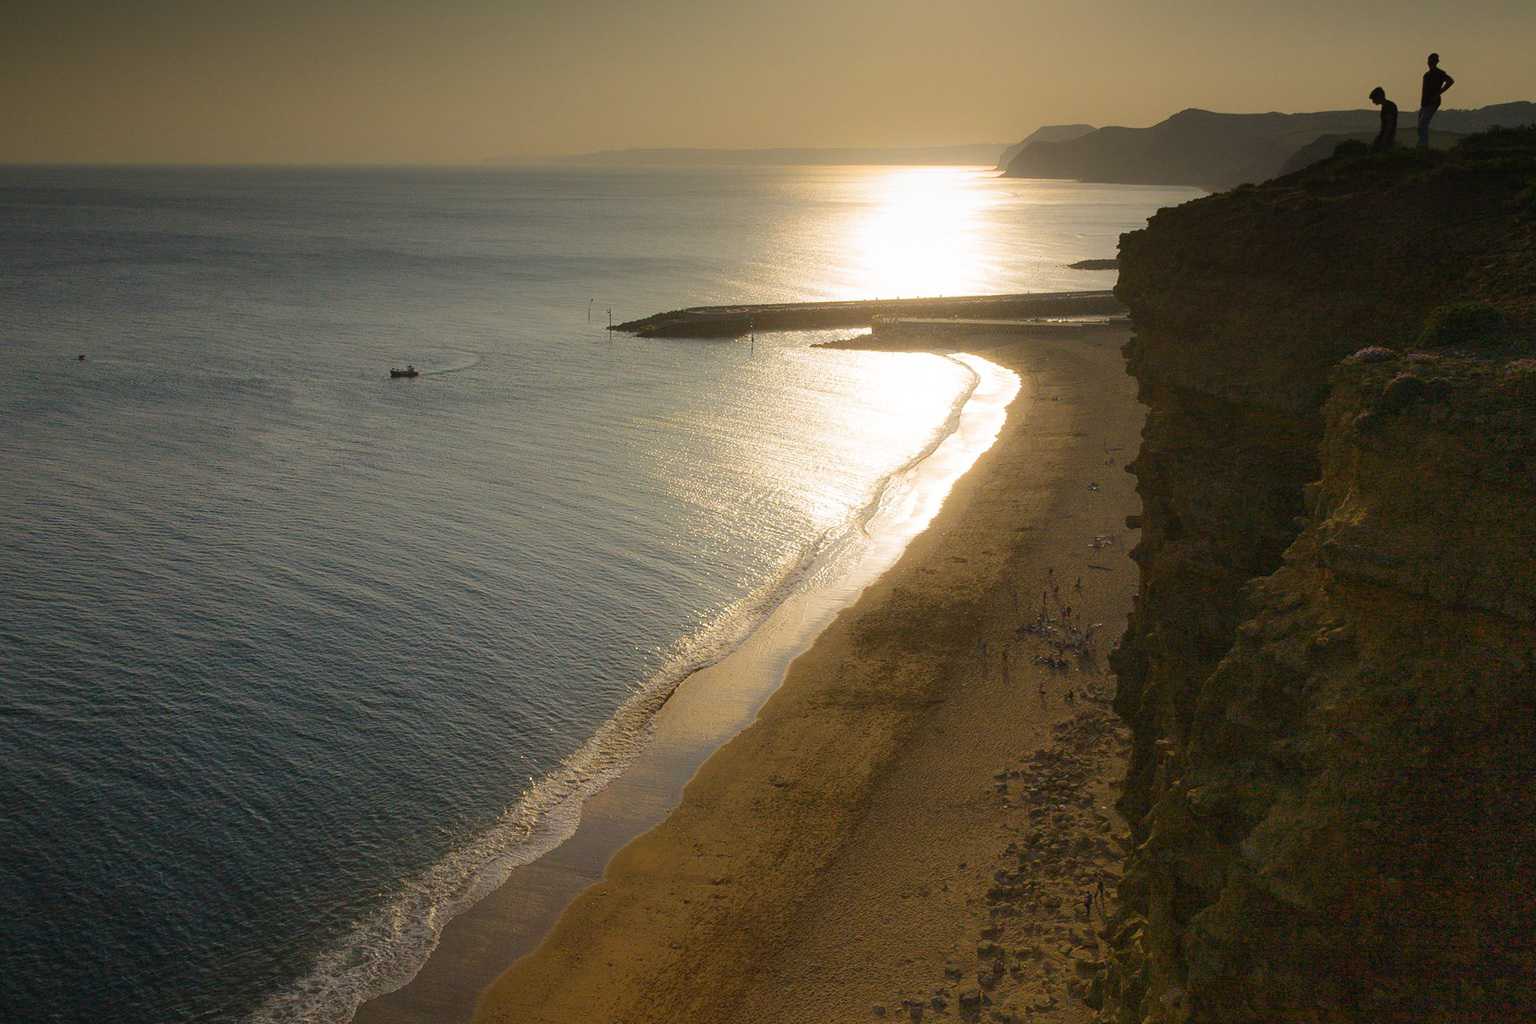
x,y
1330,673
1323,147
1204,149
1045,133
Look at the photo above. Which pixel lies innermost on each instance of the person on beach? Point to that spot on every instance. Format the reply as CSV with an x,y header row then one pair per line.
x,y
1436,82
1387,137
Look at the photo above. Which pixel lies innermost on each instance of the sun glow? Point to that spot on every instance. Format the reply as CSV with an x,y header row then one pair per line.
x,y
922,234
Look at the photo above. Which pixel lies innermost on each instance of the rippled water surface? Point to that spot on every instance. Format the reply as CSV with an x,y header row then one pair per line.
x,y
289,651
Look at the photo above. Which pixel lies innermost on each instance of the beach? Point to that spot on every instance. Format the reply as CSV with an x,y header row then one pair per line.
x,y
934,526
431,657
916,818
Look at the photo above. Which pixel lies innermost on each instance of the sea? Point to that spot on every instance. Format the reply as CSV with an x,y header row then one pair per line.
x,y
297,659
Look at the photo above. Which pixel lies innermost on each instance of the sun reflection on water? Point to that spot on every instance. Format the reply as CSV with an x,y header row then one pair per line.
x,y
922,232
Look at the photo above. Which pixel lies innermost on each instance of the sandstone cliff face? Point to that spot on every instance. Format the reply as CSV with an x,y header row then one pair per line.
x,y
1331,669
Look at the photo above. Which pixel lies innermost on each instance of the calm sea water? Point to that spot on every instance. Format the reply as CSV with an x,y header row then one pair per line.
x,y
293,657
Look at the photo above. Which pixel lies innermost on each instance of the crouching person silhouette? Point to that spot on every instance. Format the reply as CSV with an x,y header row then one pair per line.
x,y
1387,137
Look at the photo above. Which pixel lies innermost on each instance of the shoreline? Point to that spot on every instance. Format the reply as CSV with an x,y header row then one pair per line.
x,y
689,719
794,881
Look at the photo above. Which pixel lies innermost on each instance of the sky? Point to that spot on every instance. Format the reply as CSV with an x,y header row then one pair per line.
x,y
470,81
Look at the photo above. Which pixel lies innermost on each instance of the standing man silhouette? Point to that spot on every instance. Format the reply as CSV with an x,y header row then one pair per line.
x,y
1387,137
1435,83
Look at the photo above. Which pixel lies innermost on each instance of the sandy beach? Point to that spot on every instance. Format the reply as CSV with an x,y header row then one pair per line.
x,y
917,817
912,820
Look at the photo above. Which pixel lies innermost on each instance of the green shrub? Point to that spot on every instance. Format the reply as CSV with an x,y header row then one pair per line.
x,y
1463,324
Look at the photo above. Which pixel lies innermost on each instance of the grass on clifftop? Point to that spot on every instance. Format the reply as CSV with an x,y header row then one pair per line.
x,y
1500,152
1477,199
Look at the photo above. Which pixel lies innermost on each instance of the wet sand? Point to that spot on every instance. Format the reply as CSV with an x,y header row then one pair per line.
x,y
913,822
708,708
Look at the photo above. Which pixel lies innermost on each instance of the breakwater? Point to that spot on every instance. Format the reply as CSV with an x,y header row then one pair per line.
x,y
736,320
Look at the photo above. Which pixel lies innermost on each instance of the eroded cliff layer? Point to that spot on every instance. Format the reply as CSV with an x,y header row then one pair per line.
x,y
1331,669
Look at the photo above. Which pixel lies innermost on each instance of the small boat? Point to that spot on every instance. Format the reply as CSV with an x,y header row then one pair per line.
x,y
409,371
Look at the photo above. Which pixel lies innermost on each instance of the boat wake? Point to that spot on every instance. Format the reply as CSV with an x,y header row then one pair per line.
x,y
461,360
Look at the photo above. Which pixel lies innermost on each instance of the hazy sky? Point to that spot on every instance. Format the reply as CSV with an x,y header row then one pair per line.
x,y
462,81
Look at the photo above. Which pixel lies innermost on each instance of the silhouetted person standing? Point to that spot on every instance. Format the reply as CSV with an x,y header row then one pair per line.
x,y
1435,84
1387,137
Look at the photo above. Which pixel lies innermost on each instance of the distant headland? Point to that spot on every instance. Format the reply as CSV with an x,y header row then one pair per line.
x,y
1046,133
1217,151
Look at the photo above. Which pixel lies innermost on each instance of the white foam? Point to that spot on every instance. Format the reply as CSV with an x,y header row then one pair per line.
x,y
384,952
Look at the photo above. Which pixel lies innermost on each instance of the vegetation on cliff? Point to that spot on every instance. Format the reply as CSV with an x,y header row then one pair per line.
x,y
1331,670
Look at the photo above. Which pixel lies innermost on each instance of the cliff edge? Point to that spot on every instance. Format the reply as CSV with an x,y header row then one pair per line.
x,y
1330,672
1206,149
